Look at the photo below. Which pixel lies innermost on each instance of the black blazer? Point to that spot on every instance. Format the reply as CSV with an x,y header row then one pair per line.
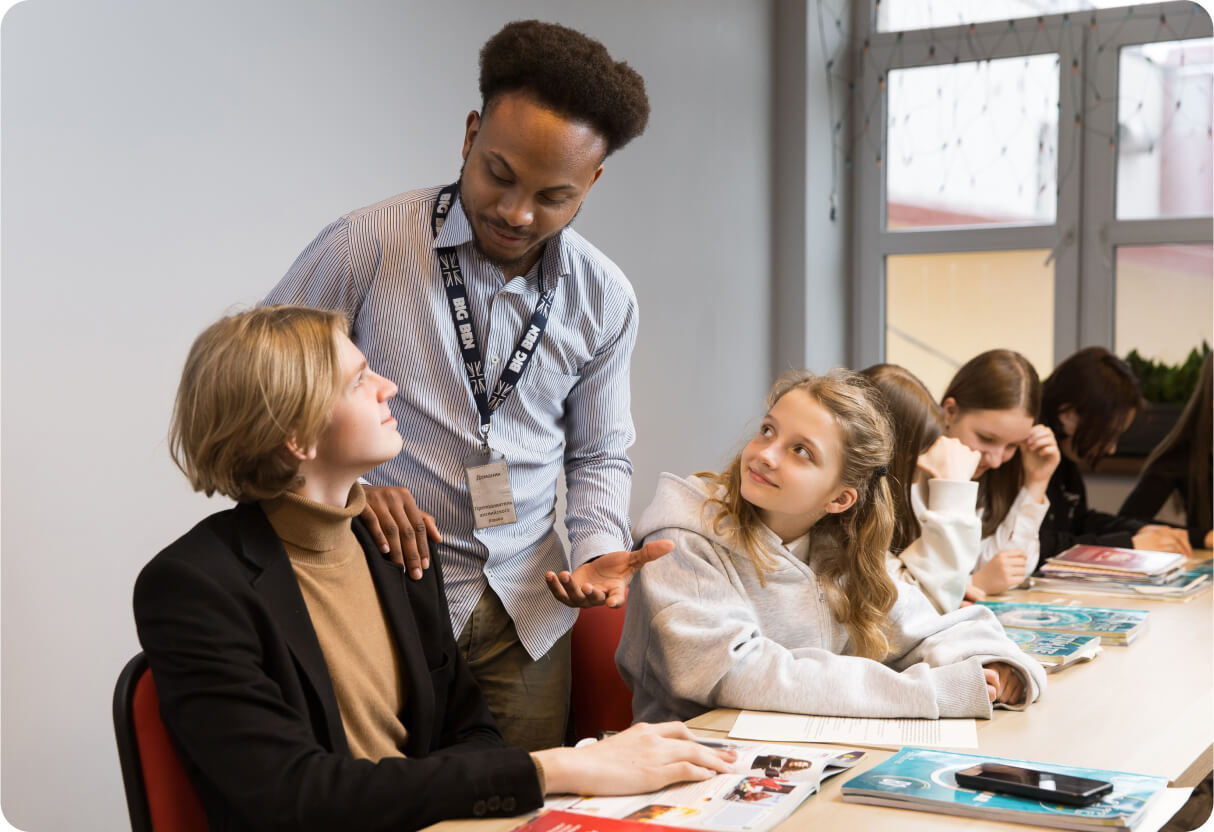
x,y
247,698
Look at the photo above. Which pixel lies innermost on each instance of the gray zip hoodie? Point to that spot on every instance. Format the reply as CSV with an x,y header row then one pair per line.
x,y
701,632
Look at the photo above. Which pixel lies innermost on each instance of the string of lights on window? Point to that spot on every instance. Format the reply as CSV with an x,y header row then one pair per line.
x,y
1035,42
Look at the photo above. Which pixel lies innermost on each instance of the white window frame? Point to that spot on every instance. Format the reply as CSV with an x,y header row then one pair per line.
x,y
1085,232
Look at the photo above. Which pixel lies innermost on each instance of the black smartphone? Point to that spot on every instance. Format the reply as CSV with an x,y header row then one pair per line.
x,y
1028,782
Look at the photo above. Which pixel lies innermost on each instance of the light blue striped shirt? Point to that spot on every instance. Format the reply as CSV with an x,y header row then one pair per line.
x,y
570,408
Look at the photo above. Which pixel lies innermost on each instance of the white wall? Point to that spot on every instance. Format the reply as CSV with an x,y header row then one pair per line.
x,y
163,162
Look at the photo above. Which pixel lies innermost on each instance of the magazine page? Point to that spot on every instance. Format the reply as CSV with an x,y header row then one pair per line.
x,y
767,783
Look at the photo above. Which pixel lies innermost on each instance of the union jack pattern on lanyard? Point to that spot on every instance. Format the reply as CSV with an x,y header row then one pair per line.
x,y
461,316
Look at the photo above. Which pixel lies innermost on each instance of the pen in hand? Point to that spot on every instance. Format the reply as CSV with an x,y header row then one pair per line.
x,y
707,743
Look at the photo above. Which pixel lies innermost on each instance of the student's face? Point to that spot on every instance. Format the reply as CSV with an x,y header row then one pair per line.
x,y
1069,420
993,433
790,469
361,432
526,171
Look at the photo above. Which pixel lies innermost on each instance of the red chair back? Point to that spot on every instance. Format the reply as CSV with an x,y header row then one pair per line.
x,y
601,700
159,795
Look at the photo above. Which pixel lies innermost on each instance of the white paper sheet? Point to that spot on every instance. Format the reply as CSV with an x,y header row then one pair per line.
x,y
1162,808
931,733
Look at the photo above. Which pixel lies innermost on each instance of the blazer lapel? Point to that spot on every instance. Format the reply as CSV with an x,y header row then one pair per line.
x,y
276,584
415,674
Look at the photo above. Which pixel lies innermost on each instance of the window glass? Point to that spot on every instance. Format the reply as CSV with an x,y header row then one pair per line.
x,y
943,309
973,143
1164,300
1164,142
898,15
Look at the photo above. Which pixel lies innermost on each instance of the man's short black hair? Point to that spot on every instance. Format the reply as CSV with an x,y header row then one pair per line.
x,y
569,73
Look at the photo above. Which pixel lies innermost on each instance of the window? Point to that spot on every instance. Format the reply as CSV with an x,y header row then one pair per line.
x,y
1046,180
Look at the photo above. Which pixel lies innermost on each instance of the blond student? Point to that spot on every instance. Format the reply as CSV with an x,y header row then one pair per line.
x,y
777,597
305,680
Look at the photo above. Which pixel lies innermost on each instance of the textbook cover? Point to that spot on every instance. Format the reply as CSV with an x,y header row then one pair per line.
x,y
1140,562
1182,587
923,779
767,784
1114,626
1055,650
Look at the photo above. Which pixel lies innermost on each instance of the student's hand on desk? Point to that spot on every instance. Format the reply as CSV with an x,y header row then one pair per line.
x,y
1163,539
1003,683
604,579
1002,572
642,759
1039,455
949,459
1208,543
399,528
972,595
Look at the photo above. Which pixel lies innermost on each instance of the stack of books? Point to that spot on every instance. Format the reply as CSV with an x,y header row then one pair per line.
x,y
1110,571
1113,626
920,778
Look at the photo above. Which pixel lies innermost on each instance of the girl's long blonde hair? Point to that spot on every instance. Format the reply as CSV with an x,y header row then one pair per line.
x,y
857,586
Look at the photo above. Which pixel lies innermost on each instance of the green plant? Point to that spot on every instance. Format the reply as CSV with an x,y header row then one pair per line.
x,y
1163,383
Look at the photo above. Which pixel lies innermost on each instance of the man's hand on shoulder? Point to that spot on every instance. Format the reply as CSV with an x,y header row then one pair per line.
x,y
604,580
399,528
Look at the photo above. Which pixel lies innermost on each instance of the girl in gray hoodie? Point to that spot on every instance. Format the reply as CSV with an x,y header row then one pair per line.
x,y
777,596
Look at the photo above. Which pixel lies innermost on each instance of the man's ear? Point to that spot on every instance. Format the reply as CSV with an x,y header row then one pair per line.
x,y
845,499
294,450
472,126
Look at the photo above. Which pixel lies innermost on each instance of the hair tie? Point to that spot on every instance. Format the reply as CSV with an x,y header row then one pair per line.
x,y
882,470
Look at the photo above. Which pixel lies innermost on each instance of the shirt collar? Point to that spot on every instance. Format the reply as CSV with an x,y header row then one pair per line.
x,y
457,231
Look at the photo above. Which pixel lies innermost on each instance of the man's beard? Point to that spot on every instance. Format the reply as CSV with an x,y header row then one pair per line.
x,y
504,265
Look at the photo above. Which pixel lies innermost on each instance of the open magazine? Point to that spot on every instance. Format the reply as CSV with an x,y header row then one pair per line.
x,y
767,783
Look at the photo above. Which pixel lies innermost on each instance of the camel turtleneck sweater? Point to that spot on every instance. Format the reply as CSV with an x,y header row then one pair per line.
x,y
346,614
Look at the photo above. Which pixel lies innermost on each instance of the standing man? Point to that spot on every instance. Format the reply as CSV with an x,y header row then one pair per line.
x,y
511,338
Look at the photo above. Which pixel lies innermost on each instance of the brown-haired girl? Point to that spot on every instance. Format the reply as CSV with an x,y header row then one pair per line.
x,y
991,405
1182,464
777,595
937,535
1089,401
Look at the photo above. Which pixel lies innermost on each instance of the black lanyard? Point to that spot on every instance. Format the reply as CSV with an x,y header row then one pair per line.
x,y
465,332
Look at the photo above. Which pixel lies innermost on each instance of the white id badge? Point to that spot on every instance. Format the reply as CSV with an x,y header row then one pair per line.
x,y
489,486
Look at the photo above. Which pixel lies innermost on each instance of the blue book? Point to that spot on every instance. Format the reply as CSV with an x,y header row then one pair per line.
x,y
1055,650
1114,626
923,779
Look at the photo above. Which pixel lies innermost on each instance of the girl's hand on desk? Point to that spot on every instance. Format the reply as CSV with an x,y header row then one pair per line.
x,y
1002,572
1163,539
1009,685
972,595
642,759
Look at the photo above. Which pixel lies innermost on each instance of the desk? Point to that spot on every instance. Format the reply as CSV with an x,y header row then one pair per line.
x,y
1146,708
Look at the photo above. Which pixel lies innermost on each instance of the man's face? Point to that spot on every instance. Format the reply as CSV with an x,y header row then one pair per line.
x,y
526,171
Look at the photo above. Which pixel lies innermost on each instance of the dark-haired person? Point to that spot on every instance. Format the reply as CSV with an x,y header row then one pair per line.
x,y
991,405
1089,401
511,338
1182,464
306,683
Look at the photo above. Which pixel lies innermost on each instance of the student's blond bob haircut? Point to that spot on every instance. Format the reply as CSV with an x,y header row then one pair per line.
x,y
253,381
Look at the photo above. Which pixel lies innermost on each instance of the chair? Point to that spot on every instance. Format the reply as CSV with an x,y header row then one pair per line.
x,y
159,795
601,700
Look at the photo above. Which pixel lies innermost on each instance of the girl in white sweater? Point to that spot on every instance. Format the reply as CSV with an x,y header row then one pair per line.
x,y
777,597
991,405
937,534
